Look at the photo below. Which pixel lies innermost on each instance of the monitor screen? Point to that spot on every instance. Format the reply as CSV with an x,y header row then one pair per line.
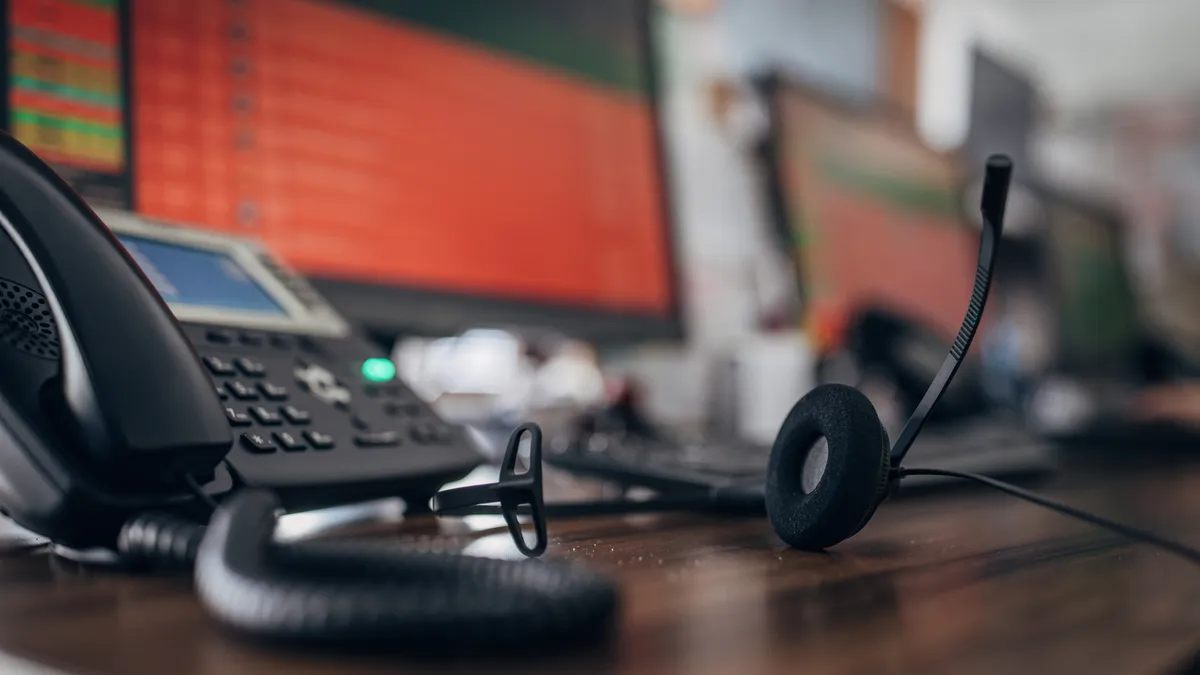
x,y
873,214
1098,324
66,95
196,277
1003,113
490,161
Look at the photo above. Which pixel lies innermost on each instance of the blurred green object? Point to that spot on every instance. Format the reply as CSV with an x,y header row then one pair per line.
x,y
1098,319
378,370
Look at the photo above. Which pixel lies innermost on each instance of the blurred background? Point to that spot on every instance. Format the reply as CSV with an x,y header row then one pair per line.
x,y
671,218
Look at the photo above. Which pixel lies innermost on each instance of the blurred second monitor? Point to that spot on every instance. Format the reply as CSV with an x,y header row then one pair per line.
x,y
1097,332
885,259
873,213
433,166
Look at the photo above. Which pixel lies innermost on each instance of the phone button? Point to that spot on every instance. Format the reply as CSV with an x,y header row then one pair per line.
x,y
288,442
273,392
266,417
250,367
252,339
221,337
241,392
402,408
296,415
382,439
318,440
423,433
257,443
237,419
217,366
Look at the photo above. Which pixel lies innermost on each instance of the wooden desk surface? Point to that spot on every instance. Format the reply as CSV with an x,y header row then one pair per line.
x,y
972,582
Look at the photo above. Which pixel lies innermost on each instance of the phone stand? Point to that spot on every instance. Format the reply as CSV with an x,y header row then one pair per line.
x,y
512,491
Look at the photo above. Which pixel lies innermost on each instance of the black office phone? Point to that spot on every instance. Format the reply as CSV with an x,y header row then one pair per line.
x,y
318,413
136,356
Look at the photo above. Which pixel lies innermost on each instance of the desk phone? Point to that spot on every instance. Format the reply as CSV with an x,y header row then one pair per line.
x,y
307,408
317,412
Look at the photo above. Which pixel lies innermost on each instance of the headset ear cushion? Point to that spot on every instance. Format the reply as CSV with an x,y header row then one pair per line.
x,y
812,509
885,472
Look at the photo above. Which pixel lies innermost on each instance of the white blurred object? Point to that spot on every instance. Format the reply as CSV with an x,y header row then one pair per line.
x,y
14,537
1060,405
318,522
571,376
773,371
477,362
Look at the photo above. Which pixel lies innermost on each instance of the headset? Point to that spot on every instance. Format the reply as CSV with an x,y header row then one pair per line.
x,y
832,463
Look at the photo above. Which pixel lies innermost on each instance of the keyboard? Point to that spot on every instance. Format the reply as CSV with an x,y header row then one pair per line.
x,y
1000,448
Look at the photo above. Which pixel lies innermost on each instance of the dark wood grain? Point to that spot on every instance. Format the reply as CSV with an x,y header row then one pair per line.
x,y
970,582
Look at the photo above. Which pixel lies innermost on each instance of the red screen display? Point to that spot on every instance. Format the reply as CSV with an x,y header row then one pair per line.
x,y
368,148
875,217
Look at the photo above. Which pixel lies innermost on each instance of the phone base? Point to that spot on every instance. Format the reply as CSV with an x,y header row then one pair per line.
x,y
92,557
13,537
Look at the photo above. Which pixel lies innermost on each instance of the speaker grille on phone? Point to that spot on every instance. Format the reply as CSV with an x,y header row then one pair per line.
x,y
26,322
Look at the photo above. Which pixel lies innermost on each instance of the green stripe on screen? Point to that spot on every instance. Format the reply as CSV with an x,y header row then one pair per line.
x,y
524,32
803,232
93,128
104,4
897,191
63,91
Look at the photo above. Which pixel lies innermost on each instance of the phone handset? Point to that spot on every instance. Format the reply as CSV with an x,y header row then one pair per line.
x,y
131,383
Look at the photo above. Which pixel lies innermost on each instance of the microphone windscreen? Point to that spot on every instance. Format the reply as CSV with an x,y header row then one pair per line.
x,y
996,180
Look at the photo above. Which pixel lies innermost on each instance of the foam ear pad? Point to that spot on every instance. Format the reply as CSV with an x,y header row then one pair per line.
x,y
818,494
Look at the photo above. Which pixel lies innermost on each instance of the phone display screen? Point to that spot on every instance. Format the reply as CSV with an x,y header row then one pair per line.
x,y
199,277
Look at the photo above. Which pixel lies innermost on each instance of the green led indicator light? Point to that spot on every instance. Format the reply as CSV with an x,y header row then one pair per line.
x,y
378,370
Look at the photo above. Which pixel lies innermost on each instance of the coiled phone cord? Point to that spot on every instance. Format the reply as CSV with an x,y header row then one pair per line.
x,y
358,594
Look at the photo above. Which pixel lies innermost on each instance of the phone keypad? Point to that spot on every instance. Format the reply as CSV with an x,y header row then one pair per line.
x,y
218,366
273,419
258,443
289,442
250,367
318,440
382,439
296,415
273,392
265,416
241,391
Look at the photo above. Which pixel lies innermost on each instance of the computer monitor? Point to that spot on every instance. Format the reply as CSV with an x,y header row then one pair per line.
x,y
433,166
1004,103
873,213
66,91
1098,328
